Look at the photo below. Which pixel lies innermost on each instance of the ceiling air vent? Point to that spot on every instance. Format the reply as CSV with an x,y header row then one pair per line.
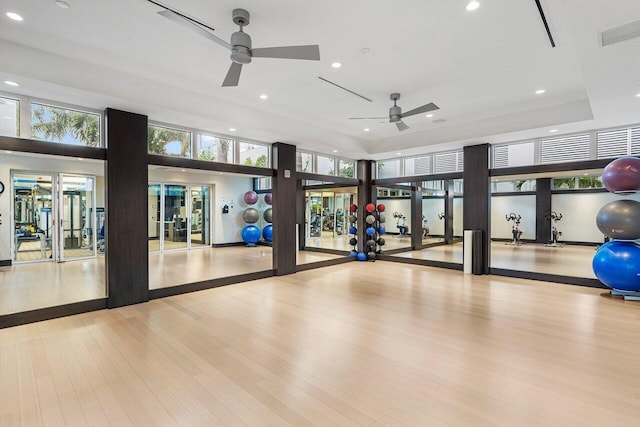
x,y
621,33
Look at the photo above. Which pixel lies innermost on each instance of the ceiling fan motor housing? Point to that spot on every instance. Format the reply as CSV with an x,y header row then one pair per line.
x,y
241,50
395,114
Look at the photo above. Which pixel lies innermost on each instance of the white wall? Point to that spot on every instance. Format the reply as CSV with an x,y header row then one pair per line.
x,y
457,216
524,205
430,209
15,162
227,189
579,212
402,206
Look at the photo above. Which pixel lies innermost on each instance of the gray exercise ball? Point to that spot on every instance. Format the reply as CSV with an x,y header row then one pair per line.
x,y
620,220
268,215
382,219
251,215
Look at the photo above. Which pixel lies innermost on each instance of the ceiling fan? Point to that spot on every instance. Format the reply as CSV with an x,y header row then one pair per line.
x,y
396,115
240,46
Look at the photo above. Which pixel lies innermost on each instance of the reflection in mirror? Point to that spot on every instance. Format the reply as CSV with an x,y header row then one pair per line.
x,y
547,224
397,215
326,221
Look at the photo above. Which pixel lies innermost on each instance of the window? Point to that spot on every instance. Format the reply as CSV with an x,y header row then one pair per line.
x,y
576,183
326,165
449,162
254,155
388,168
510,155
167,141
346,168
304,162
418,165
262,184
214,149
570,148
513,186
9,117
57,124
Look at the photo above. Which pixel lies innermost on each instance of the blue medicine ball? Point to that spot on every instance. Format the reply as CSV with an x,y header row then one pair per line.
x,y
371,231
353,230
382,230
361,256
251,234
267,233
617,265
353,253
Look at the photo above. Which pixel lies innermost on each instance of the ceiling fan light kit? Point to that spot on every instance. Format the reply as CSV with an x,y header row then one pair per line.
x,y
241,47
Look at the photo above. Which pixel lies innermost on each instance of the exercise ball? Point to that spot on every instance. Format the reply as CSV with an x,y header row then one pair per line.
x,y
352,218
353,241
267,233
622,175
361,256
353,253
268,215
251,234
353,208
268,198
370,219
370,207
371,255
382,219
381,207
250,197
381,241
353,230
620,219
617,265
370,231
371,243
250,215
382,230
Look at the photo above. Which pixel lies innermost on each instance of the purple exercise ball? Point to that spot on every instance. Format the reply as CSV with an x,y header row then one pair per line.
x,y
251,197
268,198
622,175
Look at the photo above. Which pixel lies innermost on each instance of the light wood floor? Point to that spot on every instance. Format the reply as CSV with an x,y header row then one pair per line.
x,y
357,345
307,257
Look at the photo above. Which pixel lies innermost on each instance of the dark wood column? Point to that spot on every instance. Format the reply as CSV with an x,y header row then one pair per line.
x,y
477,200
448,211
543,208
285,197
416,215
126,226
300,213
365,195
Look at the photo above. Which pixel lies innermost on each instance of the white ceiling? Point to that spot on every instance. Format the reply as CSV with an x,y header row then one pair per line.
x,y
482,68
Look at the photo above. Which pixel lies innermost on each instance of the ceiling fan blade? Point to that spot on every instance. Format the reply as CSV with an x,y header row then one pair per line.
x,y
402,126
193,26
311,52
233,75
367,118
424,109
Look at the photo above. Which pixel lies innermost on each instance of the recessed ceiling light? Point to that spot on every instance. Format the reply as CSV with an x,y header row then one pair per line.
x,y
366,129
14,16
366,50
263,96
429,115
553,130
62,4
398,154
336,65
540,91
335,151
232,129
473,5
637,95
183,170
11,83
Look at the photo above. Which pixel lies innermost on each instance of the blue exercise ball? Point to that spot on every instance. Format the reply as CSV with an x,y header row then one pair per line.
x,y
361,256
382,230
370,231
353,230
250,234
617,265
267,233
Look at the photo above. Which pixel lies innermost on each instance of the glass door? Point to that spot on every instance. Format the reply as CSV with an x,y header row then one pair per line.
x,y
77,217
155,218
175,216
200,232
33,214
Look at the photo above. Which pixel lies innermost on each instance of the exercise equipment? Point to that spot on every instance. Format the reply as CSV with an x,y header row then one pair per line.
x,y
251,215
353,241
622,175
381,218
370,219
370,207
250,235
352,229
382,230
361,256
250,197
353,208
401,224
620,220
617,265
425,227
268,198
370,231
353,253
371,255
267,233
555,217
381,207
441,216
381,241
516,231
268,215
